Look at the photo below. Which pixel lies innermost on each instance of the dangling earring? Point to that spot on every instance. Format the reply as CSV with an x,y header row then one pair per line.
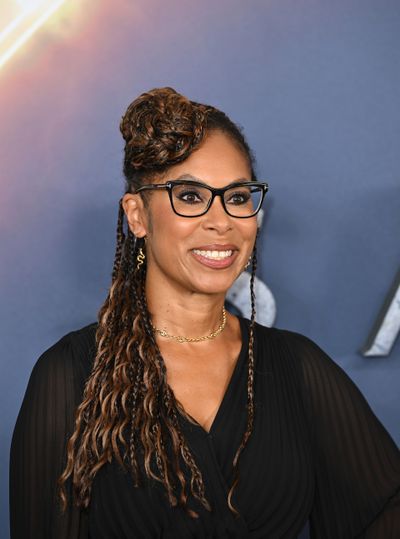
x,y
248,262
140,257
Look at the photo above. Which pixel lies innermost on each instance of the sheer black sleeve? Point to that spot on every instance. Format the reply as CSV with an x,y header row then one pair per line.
x,y
357,463
38,448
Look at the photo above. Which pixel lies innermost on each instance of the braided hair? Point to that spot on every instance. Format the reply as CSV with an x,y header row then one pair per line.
x,y
128,411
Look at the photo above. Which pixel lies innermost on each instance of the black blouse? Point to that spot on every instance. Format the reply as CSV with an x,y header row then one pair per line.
x,y
317,452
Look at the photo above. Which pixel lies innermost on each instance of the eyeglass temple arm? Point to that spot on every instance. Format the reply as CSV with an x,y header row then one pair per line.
x,y
152,186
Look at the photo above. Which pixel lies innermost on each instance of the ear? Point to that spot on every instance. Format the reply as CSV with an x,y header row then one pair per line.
x,y
135,214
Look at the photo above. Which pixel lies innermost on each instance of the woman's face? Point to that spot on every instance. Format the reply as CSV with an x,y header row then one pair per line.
x,y
179,249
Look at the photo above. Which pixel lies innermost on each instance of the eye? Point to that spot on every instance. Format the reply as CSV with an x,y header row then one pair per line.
x,y
189,196
238,197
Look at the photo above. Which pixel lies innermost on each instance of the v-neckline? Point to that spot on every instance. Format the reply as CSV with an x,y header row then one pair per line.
x,y
240,358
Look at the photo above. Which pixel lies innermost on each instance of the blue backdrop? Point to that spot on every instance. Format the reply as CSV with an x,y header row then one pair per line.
x,y
315,85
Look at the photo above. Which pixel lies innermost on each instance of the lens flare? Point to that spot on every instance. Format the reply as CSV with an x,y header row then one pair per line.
x,y
19,20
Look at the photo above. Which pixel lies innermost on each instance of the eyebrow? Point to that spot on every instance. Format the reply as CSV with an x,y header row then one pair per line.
x,y
194,179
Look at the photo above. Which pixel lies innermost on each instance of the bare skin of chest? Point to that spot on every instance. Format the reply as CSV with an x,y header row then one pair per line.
x,y
199,377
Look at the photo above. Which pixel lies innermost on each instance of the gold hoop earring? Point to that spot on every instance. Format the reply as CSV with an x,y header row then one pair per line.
x,y
140,259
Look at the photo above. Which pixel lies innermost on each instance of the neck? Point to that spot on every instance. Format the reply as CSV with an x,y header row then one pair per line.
x,y
184,313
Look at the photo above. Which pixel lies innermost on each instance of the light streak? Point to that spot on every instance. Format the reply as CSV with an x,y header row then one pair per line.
x,y
19,30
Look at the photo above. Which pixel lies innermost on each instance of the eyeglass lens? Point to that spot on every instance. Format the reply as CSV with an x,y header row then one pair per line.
x,y
240,201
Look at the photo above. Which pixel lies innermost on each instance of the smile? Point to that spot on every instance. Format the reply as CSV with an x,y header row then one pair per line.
x,y
213,255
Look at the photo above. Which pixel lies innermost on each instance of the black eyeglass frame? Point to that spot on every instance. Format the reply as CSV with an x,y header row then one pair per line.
x,y
214,193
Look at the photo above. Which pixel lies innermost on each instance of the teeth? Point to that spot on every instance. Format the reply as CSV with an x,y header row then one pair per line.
x,y
215,255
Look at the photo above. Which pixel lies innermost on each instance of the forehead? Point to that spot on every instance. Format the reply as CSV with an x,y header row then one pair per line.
x,y
217,162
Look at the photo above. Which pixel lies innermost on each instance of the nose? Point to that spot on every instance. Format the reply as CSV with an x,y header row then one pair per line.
x,y
216,218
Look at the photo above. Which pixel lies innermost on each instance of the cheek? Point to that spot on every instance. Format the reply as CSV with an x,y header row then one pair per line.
x,y
249,230
173,230
170,234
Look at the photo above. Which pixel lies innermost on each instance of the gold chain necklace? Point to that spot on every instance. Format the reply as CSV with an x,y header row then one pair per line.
x,y
181,339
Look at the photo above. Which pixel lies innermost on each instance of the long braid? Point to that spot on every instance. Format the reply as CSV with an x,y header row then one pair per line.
x,y
250,381
120,241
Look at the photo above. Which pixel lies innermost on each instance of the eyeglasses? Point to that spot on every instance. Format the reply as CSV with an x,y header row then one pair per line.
x,y
192,199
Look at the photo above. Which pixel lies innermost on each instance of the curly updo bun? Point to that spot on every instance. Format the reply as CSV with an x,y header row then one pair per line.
x,y
162,127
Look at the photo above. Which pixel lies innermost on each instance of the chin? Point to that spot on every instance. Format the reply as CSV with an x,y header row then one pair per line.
x,y
213,285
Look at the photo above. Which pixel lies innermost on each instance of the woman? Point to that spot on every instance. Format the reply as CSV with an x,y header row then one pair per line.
x,y
192,422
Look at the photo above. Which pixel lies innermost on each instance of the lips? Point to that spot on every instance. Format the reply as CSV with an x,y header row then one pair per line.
x,y
215,255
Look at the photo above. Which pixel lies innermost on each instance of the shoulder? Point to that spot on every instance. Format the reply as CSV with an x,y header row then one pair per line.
x,y
71,356
282,335
59,374
325,383
291,341
292,347
319,373
285,339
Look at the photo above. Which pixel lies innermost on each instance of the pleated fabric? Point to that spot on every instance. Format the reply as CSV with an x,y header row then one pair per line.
x,y
44,424
317,453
